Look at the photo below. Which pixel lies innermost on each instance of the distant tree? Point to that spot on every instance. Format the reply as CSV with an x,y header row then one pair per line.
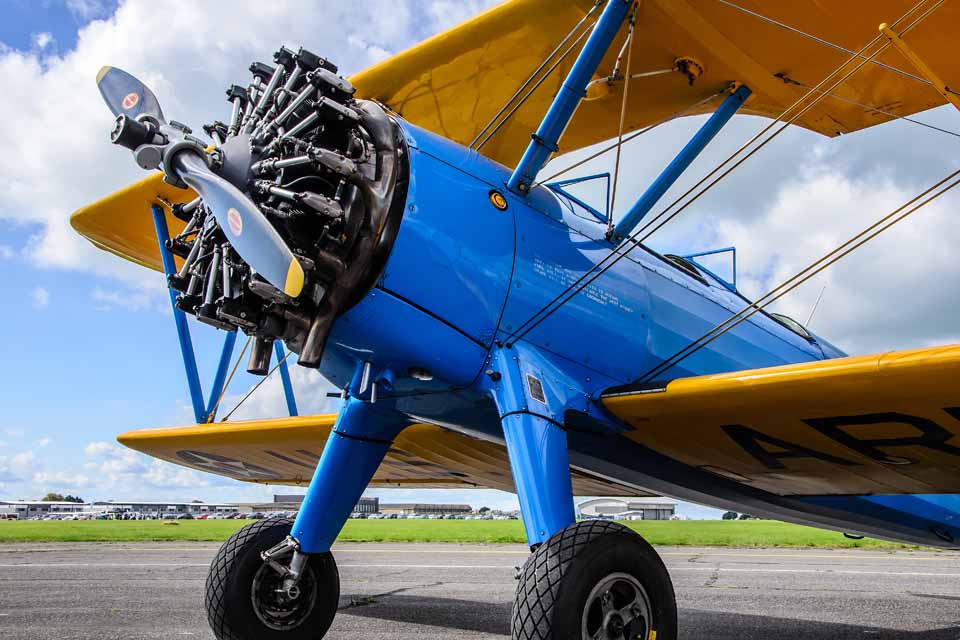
x,y
76,499
196,502
731,515
483,510
53,497
747,516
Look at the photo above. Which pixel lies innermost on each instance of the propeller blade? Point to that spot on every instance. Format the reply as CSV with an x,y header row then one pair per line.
x,y
248,231
126,95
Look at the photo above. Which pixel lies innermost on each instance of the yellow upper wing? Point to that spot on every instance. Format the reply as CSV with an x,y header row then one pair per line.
x,y
286,451
455,82
881,424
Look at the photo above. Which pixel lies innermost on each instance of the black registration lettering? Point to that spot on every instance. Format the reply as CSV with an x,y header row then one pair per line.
x,y
929,434
752,441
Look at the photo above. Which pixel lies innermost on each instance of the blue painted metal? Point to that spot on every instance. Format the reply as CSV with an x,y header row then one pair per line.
x,y
360,439
559,185
463,276
537,447
680,163
545,140
450,230
226,352
285,379
179,318
693,256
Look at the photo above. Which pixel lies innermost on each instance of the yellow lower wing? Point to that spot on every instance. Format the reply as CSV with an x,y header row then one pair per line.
x,y
881,424
286,451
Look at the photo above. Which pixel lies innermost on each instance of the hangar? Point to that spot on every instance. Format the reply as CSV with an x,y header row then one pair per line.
x,y
627,508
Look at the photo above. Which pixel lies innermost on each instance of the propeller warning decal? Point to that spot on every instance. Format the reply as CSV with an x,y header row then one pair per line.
x,y
235,221
130,101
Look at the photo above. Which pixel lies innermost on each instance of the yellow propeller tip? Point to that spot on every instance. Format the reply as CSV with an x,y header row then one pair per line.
x,y
103,71
294,284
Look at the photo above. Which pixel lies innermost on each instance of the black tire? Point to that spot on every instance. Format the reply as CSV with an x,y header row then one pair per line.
x,y
559,578
238,577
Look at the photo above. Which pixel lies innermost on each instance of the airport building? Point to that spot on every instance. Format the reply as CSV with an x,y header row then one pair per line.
x,y
26,509
627,508
292,502
159,509
411,509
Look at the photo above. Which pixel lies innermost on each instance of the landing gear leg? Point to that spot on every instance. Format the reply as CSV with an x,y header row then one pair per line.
x,y
276,579
593,580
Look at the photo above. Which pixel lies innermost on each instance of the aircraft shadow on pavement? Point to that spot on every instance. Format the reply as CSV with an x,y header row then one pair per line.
x,y
494,617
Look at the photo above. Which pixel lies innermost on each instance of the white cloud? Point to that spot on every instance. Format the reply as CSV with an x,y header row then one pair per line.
x,y
188,65
269,401
43,40
87,9
40,298
61,480
23,461
6,252
44,441
131,299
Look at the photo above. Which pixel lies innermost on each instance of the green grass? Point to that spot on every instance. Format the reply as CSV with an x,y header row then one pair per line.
x,y
693,533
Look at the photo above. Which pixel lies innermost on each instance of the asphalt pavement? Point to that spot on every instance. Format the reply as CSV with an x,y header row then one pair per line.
x,y
426,591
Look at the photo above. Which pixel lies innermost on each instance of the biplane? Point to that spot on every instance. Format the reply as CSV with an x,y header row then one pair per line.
x,y
490,328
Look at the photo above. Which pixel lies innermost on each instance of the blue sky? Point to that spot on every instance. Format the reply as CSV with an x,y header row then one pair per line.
x,y
88,342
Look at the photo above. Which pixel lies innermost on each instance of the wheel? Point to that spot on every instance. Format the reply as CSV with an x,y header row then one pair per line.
x,y
594,580
244,598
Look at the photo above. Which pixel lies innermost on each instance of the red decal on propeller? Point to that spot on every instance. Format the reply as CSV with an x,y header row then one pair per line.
x,y
130,101
235,221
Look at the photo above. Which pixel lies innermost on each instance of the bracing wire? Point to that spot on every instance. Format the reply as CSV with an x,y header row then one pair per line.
x,y
628,45
614,257
533,89
632,136
897,215
226,385
530,79
819,40
256,386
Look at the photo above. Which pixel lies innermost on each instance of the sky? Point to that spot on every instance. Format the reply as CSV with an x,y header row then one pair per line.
x,y
88,339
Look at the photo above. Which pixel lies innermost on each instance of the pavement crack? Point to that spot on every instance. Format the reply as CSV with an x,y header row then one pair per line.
x,y
714,576
362,601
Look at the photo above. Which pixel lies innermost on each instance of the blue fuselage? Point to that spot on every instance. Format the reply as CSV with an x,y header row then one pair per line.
x,y
464,274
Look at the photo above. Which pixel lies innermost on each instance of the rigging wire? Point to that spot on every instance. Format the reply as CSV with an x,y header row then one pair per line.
x,y
632,136
615,256
897,215
871,107
628,45
819,40
653,226
256,386
533,89
226,385
477,143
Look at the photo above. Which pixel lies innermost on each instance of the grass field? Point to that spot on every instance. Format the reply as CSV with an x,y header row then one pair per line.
x,y
692,532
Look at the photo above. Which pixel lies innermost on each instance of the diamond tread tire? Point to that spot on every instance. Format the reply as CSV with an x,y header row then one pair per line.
x,y
557,579
229,601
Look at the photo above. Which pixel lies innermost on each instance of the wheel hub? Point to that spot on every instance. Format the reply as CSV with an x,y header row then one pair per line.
x,y
282,606
617,608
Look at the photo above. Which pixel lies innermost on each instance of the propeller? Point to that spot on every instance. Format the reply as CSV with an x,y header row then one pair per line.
x,y
125,95
249,232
